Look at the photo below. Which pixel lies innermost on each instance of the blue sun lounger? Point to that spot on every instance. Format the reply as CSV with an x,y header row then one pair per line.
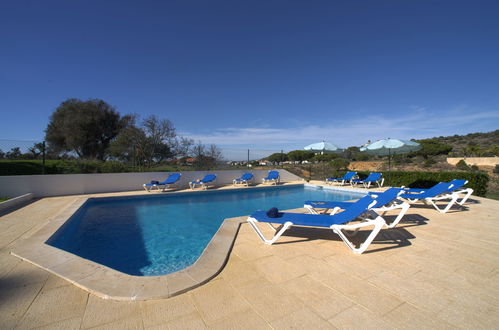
x,y
337,222
204,182
345,179
440,191
457,187
374,178
385,201
244,179
272,177
171,180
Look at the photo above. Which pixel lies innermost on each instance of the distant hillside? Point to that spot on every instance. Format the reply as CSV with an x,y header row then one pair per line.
x,y
473,144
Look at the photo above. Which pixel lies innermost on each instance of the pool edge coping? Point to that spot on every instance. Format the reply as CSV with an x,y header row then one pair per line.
x,y
108,283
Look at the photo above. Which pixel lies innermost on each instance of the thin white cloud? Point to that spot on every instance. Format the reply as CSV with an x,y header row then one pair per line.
x,y
415,123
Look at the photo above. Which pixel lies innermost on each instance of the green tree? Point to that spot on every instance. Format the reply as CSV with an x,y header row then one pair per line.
x,y
324,157
83,127
300,155
14,153
36,150
430,147
2,154
206,157
154,141
278,157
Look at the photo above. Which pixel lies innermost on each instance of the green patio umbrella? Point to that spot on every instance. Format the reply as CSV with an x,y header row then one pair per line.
x,y
389,147
323,148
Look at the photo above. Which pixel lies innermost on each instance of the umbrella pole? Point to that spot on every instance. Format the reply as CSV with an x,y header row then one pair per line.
x,y
389,164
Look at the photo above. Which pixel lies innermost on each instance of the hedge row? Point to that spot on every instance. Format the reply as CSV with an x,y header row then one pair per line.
x,y
34,167
476,180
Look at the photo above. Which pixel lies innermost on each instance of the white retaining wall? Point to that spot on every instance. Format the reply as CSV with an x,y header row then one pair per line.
x,y
14,202
478,161
74,184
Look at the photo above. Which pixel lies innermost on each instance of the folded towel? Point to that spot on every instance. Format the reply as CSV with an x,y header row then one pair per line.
x,y
154,182
273,213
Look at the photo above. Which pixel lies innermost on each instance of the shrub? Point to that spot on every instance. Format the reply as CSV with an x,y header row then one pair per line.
x,y
339,163
476,180
496,169
324,157
429,162
461,165
113,167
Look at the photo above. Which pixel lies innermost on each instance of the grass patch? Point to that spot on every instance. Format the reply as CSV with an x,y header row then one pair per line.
x,y
3,199
493,196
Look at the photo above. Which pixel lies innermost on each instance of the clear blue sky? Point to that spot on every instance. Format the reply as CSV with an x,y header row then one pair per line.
x,y
260,74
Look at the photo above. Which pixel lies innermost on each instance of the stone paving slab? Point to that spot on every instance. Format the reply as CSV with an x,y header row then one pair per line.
x,y
432,271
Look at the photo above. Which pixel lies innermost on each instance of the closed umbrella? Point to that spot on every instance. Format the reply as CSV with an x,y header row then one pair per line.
x,y
389,147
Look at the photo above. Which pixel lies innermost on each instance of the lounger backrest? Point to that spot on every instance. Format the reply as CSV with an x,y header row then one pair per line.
x,y
356,209
438,189
273,175
457,183
349,175
174,177
247,176
386,197
373,176
209,178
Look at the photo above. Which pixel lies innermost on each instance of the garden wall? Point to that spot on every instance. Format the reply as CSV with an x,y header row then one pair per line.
x,y
73,184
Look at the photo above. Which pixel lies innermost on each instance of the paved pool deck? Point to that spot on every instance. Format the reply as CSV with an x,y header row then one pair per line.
x,y
432,271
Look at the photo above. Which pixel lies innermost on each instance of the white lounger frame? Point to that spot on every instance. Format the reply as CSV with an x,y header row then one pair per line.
x,y
342,182
467,192
204,185
165,186
431,200
378,222
368,184
236,182
272,181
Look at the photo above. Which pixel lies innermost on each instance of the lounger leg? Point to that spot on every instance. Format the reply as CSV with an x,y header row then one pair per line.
x,y
335,210
378,223
310,209
453,200
405,206
469,191
145,188
253,224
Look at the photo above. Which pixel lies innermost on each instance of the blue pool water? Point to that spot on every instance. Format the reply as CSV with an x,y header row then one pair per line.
x,y
160,234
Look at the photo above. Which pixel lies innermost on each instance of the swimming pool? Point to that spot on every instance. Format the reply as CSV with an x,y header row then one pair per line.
x,y
161,234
